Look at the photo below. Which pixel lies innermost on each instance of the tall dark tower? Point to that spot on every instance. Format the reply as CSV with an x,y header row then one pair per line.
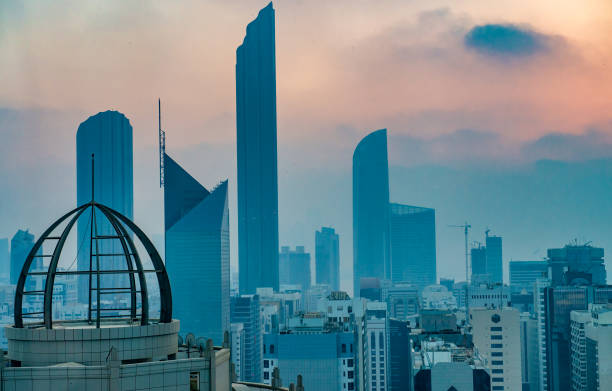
x,y
257,159
371,242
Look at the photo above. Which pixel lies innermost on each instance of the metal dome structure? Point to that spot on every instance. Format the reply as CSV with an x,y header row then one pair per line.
x,y
123,229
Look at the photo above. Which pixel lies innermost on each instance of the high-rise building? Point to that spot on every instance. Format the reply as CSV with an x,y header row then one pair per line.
x,y
108,136
599,349
294,267
371,239
413,245
256,155
496,335
529,352
197,252
5,261
21,244
245,309
237,344
478,256
495,266
523,274
327,258
402,300
576,264
373,354
400,359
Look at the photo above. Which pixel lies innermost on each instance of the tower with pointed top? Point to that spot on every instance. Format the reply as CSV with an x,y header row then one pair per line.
x,y
257,156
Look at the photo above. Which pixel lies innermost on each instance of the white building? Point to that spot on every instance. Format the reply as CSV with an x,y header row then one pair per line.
x,y
540,310
496,337
373,355
437,297
489,296
237,343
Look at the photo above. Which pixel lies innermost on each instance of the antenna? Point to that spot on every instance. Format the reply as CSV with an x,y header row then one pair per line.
x,y
466,227
162,145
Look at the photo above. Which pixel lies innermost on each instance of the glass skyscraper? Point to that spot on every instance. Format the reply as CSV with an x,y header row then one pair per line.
x,y
413,245
197,252
371,241
327,258
294,267
246,310
21,244
495,267
256,155
5,261
107,135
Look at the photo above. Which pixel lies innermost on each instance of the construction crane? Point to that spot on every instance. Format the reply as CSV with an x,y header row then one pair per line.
x,y
466,228
162,145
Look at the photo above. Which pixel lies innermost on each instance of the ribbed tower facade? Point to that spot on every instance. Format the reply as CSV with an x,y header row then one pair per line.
x,y
256,155
107,135
371,239
327,258
197,252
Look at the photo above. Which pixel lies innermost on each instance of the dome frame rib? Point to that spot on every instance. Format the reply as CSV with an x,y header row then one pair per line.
x,y
121,225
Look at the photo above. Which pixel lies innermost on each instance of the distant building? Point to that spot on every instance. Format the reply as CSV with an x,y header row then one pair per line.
x,y
478,257
402,300
449,283
245,309
438,297
373,353
21,244
495,266
197,252
576,264
237,347
496,336
313,295
107,135
413,245
276,308
438,321
523,274
400,358
5,261
489,296
530,368
371,239
371,288
294,267
327,258
257,156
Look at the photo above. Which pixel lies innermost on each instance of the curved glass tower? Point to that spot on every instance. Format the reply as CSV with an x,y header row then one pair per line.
x,y
371,243
256,155
108,135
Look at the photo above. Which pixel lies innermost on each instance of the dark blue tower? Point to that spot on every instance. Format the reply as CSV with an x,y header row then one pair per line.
x,y
371,241
256,155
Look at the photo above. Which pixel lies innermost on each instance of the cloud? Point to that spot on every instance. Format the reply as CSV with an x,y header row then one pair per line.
x,y
593,144
506,40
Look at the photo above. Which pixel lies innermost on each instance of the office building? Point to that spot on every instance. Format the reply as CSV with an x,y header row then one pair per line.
x,y
523,274
108,136
576,265
373,352
400,358
21,244
327,258
489,296
402,300
257,156
495,266
314,295
438,297
276,308
323,354
246,310
599,349
478,256
413,245
5,262
496,336
294,267
371,239
237,344
530,365
197,252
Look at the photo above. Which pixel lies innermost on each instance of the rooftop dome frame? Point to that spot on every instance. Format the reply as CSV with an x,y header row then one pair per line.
x,y
120,224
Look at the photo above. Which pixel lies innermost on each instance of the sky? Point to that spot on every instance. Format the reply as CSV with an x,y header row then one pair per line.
x,y
499,113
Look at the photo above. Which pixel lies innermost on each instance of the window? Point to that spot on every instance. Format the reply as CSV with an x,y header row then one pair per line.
x,y
497,354
351,386
351,348
350,361
264,347
266,364
343,348
497,362
351,374
194,381
372,341
271,349
496,337
381,341
266,375
497,371
496,346
498,388
496,328
498,380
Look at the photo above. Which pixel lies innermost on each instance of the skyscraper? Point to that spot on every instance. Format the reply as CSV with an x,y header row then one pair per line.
x,y
478,256
256,155
21,244
413,245
197,252
5,261
494,258
576,264
327,258
371,241
107,135
523,274
294,267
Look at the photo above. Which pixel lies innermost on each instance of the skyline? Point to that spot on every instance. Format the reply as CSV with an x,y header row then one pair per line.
x,y
438,143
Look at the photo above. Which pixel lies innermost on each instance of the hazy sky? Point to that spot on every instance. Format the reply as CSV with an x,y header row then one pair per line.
x,y
463,85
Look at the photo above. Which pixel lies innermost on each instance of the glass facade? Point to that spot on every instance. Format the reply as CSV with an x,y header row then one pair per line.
x,y
197,252
327,258
257,156
245,309
371,239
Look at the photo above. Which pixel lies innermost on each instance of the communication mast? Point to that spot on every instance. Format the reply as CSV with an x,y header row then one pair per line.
x,y
162,145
